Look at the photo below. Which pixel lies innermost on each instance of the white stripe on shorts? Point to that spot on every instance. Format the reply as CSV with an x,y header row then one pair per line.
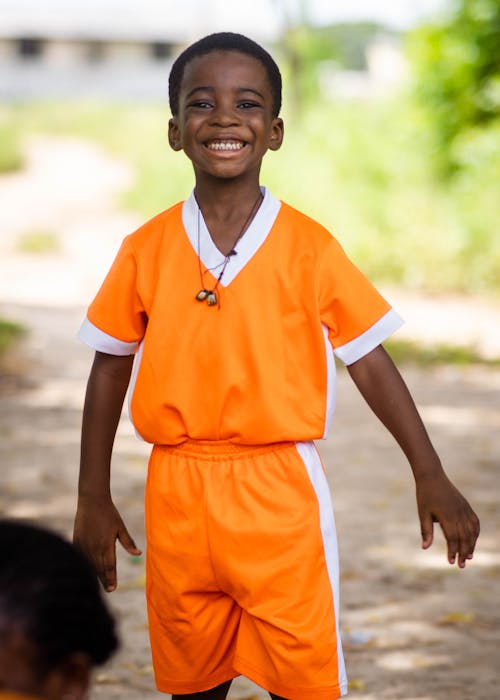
x,y
314,467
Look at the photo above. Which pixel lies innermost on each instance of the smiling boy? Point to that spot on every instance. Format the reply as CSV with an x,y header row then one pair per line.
x,y
235,305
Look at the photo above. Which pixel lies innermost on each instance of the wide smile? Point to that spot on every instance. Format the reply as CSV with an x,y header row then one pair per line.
x,y
225,145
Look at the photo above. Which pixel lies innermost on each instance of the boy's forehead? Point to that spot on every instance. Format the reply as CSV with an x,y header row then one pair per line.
x,y
223,66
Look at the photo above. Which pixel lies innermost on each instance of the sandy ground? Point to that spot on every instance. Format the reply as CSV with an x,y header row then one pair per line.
x,y
413,627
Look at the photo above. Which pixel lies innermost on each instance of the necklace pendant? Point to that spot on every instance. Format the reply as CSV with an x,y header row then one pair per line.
x,y
202,295
211,298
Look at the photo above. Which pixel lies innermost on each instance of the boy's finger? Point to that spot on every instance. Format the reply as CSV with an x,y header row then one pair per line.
x,y
468,542
107,573
128,543
427,530
465,553
473,534
453,547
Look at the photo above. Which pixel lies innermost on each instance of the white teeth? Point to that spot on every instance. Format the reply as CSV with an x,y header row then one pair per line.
x,y
225,145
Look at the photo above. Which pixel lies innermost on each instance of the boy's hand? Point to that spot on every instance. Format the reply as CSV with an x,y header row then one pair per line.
x,y
439,501
97,527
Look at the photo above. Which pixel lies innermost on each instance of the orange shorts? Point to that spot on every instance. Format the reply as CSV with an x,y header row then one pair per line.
x,y
242,569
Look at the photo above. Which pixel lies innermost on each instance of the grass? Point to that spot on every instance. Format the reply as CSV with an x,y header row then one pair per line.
x,y
11,157
10,332
37,242
363,169
410,352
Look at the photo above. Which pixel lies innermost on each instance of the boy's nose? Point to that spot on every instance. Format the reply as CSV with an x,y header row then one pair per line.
x,y
224,115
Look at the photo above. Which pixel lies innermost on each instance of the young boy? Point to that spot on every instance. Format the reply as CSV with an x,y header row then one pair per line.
x,y
235,305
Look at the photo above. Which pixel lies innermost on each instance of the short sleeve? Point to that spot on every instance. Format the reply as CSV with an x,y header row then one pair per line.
x,y
116,319
357,316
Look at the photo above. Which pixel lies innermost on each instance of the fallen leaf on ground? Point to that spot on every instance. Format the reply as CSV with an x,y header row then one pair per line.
x,y
136,583
105,679
356,684
146,670
456,618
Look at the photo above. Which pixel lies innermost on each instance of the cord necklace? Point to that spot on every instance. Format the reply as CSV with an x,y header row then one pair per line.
x,y
210,295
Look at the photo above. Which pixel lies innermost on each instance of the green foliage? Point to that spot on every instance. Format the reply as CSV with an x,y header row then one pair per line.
x,y
457,67
306,47
410,352
38,242
351,40
11,157
10,332
369,180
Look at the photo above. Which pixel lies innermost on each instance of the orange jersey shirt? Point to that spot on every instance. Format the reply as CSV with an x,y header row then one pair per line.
x,y
259,367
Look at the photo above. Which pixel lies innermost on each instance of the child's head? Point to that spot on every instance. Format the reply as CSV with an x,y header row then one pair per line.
x,y
225,95
54,625
224,41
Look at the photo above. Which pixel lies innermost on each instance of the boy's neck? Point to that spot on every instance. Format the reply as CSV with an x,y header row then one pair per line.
x,y
226,207
221,199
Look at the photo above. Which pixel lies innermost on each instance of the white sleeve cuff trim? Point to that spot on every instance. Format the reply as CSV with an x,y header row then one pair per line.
x,y
367,341
101,341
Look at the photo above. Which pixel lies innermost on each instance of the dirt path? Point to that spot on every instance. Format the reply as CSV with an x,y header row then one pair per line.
x,y
414,627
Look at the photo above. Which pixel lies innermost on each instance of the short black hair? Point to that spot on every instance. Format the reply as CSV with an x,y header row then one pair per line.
x,y
224,41
50,594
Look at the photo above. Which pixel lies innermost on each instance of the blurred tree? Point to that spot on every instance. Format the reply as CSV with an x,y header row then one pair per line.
x,y
305,46
457,69
351,40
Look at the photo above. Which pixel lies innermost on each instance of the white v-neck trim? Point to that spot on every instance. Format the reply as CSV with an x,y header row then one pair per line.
x,y
247,246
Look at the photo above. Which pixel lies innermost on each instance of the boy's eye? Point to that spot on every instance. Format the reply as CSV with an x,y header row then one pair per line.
x,y
200,104
248,105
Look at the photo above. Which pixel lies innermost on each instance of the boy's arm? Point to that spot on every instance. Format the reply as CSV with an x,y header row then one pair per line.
x,y
97,523
383,388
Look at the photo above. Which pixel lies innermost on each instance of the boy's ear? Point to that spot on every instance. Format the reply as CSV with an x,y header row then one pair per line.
x,y
174,136
277,133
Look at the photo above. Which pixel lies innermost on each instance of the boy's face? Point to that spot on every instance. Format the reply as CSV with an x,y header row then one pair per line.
x,y
225,122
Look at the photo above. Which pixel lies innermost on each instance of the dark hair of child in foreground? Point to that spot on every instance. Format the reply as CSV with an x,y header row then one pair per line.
x,y
54,625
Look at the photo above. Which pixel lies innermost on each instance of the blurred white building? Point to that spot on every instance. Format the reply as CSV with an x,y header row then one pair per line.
x,y
123,49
